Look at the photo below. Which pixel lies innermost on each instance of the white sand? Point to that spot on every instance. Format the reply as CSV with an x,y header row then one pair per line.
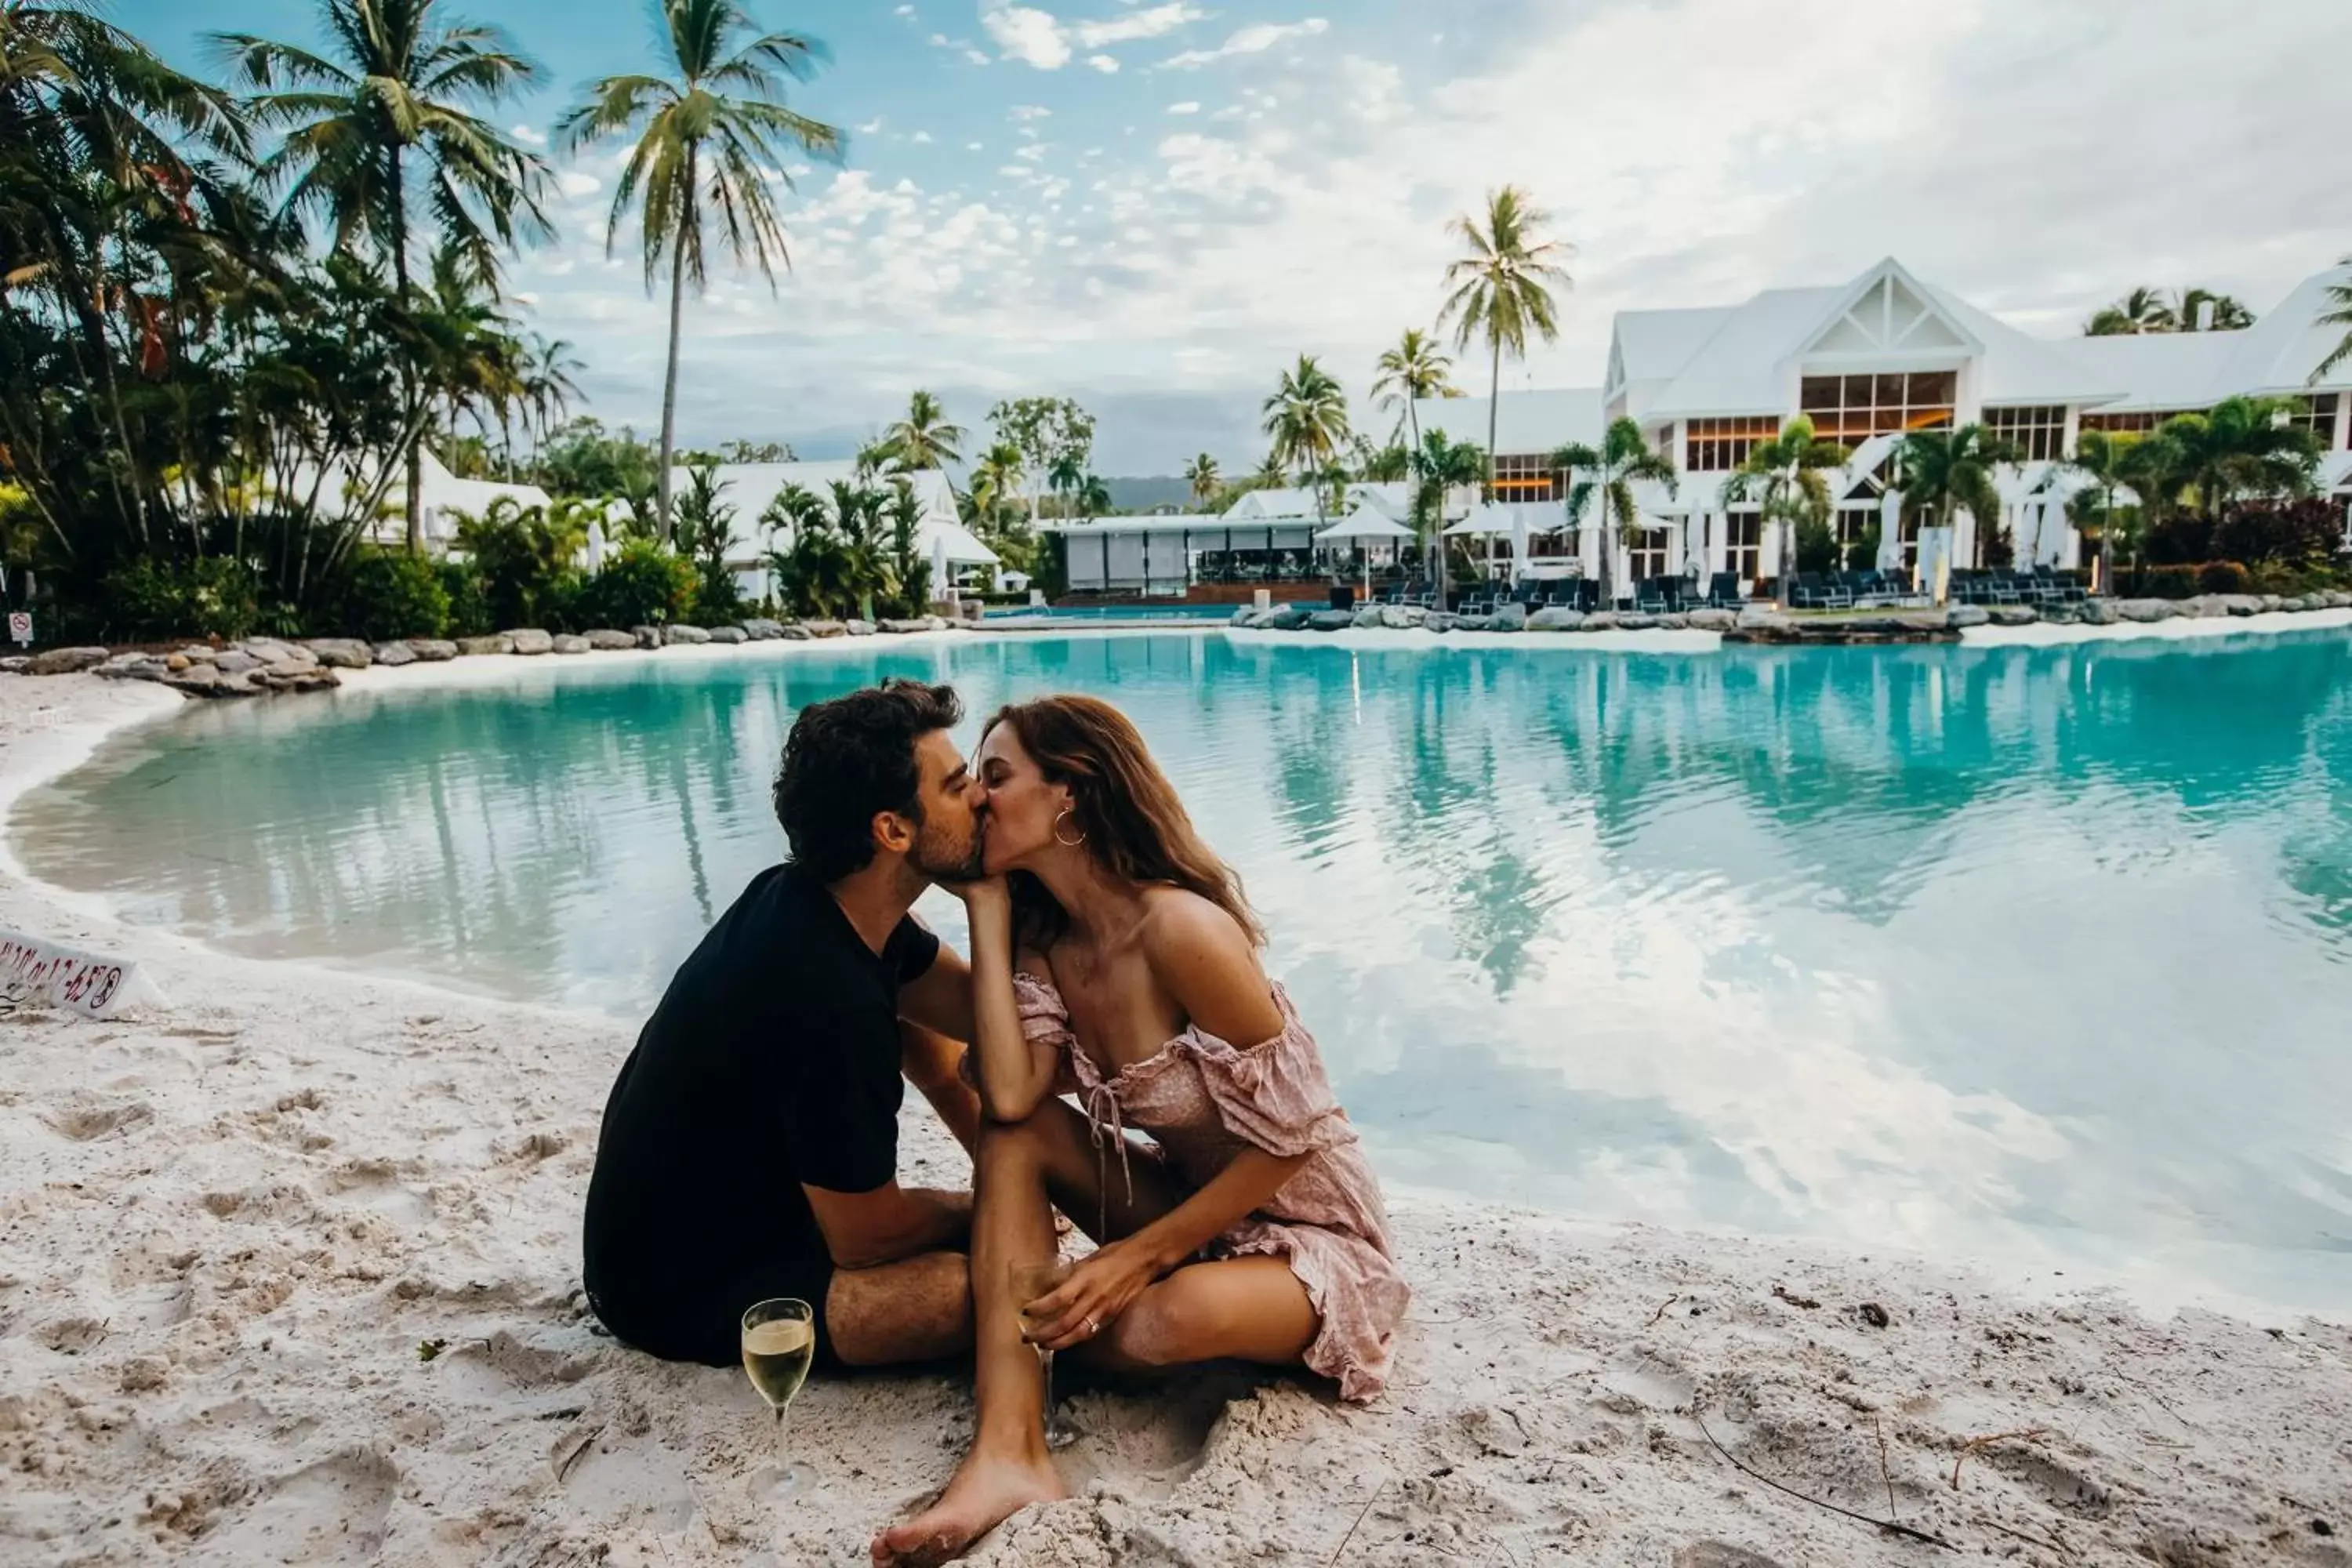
x,y
226,1228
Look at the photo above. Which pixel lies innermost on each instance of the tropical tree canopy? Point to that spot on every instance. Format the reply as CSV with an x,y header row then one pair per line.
x,y
2146,309
925,438
710,149
1305,418
2338,314
1414,370
1206,482
2241,447
1943,470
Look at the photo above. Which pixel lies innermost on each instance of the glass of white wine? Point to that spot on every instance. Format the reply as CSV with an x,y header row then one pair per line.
x,y
1032,1280
778,1342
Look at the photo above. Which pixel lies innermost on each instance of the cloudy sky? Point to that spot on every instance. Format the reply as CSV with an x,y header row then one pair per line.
x,y
1154,205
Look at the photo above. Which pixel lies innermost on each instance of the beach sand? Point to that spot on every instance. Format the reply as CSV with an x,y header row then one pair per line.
x,y
289,1273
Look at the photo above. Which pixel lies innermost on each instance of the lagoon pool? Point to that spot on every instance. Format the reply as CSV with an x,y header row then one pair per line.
x,y
2041,957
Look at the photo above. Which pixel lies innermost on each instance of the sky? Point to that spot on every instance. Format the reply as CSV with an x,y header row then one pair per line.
x,y
1155,206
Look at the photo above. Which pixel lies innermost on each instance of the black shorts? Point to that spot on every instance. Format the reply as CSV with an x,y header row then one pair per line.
x,y
702,1320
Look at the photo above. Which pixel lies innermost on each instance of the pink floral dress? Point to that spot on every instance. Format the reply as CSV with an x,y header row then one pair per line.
x,y
1203,1100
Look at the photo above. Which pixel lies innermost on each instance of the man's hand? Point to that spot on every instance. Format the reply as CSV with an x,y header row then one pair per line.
x,y
864,1230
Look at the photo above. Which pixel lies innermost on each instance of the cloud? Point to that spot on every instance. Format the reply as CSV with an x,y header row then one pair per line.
x,y
527,135
906,10
1254,40
573,182
920,138
1042,39
1029,111
1183,109
1024,33
1104,64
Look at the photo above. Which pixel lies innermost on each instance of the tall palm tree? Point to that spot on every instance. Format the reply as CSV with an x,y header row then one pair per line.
x,y
2241,447
1944,469
924,439
1416,368
2230,313
709,148
1440,466
1502,289
1306,418
384,139
2339,296
1622,457
1202,474
1786,477
2141,311
549,389
2102,456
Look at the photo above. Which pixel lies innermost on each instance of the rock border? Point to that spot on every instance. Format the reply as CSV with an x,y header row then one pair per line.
x,y
264,667
1763,624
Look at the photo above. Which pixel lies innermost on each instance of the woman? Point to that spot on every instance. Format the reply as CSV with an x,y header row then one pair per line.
x,y
1114,959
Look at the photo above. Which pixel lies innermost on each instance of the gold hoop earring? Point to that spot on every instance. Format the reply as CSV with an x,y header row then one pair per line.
x,y
1067,843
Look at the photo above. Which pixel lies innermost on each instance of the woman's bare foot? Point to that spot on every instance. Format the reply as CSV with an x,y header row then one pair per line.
x,y
986,1491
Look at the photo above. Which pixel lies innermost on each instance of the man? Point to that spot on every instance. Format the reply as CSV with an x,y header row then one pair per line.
x,y
750,1147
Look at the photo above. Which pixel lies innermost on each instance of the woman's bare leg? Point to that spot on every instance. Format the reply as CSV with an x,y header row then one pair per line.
x,y
1238,1308
1021,1171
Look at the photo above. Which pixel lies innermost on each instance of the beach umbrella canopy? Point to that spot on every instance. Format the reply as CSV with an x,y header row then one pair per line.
x,y
1364,523
1485,522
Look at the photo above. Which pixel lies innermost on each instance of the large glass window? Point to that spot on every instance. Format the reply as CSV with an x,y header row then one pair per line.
x,y
2316,414
2131,424
1719,445
2038,433
1851,409
1649,554
1743,540
1526,477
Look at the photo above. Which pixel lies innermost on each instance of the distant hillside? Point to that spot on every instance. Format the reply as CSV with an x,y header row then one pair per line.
x,y
1144,495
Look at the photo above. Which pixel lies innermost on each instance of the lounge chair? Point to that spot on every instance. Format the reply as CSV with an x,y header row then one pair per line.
x,y
1812,593
1723,591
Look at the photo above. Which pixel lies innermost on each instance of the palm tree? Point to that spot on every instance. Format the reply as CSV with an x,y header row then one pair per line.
x,y
2141,311
924,439
1623,458
548,389
996,480
2339,295
1416,368
707,150
1093,497
2102,456
1785,477
1942,469
1503,289
1202,474
2240,447
1271,473
2230,313
1306,417
1440,466
1066,476
384,129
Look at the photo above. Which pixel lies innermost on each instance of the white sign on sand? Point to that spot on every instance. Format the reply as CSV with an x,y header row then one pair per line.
x,y
89,984
20,626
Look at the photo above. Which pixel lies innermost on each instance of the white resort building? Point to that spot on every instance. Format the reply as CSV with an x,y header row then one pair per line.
x,y
1871,360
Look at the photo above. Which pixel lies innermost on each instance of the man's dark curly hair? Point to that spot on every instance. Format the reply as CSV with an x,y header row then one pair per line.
x,y
849,759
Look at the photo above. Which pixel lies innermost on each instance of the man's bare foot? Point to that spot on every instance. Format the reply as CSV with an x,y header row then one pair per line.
x,y
985,1492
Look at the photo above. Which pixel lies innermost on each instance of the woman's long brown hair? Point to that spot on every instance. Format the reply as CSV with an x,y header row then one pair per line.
x,y
1136,827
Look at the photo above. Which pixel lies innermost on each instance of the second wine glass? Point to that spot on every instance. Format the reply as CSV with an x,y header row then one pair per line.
x,y
1030,1282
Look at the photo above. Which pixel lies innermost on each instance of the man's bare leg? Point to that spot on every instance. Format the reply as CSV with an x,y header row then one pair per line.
x,y
1023,1169
918,1308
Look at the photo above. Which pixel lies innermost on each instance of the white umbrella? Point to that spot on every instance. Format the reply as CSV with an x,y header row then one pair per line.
x,y
942,585
1361,526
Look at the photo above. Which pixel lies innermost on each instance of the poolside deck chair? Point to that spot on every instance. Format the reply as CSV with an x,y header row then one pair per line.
x,y
1723,591
1650,596
2064,589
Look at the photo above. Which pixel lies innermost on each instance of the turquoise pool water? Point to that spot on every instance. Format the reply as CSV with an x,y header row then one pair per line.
x,y
1111,615
2041,956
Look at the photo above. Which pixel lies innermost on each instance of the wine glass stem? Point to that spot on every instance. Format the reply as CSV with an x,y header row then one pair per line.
x,y
783,1440
1045,1361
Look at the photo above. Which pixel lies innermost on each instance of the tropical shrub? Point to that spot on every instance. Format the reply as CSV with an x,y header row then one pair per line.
x,y
153,598
2293,532
717,600
1817,547
469,608
2172,580
2223,577
640,584
388,593
523,561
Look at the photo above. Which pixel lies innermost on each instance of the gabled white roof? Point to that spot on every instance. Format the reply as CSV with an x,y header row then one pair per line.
x,y
1741,367
1526,424
2279,352
1299,503
2152,371
1652,346
2334,472
2018,371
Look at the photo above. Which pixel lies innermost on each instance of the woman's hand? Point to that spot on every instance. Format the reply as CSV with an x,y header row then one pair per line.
x,y
1092,1298
983,895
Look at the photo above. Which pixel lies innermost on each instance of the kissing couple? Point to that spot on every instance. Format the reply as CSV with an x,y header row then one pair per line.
x,y
750,1146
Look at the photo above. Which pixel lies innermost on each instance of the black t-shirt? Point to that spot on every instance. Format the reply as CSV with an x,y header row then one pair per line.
x,y
772,1060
